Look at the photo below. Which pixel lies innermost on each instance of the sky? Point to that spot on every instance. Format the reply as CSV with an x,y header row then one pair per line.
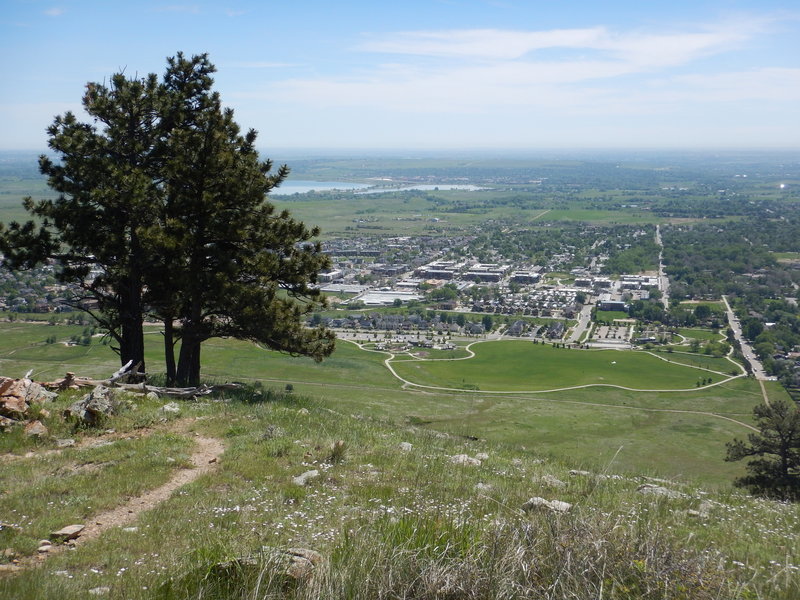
x,y
431,74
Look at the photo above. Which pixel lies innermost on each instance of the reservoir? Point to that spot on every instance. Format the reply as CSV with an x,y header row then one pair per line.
x,y
287,188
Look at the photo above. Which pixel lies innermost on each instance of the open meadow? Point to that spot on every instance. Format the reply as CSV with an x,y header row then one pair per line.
x,y
676,434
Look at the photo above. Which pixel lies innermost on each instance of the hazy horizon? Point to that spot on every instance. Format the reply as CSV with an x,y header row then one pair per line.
x,y
433,74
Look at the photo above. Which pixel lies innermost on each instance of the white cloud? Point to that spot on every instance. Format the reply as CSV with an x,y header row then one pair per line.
x,y
592,69
55,11
634,47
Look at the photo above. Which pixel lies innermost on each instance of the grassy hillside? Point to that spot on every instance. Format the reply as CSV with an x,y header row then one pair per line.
x,y
390,520
673,434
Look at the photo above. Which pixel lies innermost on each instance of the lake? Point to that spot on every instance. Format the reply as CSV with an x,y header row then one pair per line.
x,y
287,188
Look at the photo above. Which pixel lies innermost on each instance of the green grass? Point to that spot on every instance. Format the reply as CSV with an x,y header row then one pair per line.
x,y
355,381
610,315
388,521
702,334
517,366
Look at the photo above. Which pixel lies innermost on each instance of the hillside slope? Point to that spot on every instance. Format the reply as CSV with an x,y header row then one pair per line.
x,y
392,511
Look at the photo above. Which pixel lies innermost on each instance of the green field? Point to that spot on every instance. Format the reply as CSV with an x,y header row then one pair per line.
x,y
588,425
523,366
702,334
610,316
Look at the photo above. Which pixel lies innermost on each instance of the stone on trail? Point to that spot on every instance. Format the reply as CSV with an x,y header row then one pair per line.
x,y
70,532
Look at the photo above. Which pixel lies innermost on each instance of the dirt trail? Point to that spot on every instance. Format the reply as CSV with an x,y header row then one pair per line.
x,y
203,460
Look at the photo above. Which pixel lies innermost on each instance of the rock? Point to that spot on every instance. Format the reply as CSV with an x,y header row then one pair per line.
x,y
65,443
151,396
7,568
516,462
70,532
45,543
296,564
578,472
171,408
45,548
94,407
16,396
44,413
303,411
483,487
551,481
299,563
306,477
130,529
657,490
405,447
482,456
100,591
557,506
36,429
272,431
6,423
463,459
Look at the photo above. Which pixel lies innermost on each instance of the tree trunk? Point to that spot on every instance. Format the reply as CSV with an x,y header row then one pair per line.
x,y
188,371
169,350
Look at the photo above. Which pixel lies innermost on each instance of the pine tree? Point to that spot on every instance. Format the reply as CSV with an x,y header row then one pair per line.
x,y
774,470
166,206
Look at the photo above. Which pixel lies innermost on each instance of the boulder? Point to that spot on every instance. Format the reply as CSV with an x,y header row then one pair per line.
x,y
482,456
36,429
16,396
94,407
405,446
557,506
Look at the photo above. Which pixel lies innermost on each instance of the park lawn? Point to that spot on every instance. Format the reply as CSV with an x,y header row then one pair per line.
x,y
610,315
701,334
518,366
693,359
